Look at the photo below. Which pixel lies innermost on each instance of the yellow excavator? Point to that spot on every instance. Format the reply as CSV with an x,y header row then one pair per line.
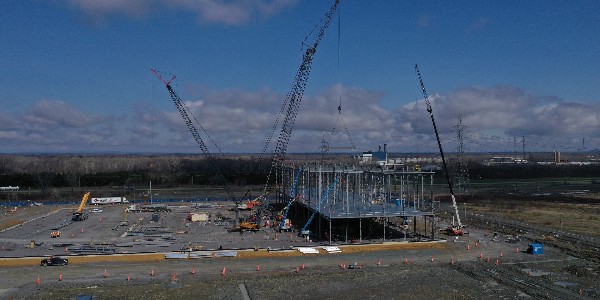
x,y
79,215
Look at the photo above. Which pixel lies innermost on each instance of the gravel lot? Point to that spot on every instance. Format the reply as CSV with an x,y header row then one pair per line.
x,y
508,274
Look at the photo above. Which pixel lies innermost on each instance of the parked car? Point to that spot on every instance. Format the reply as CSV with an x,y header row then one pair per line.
x,y
54,261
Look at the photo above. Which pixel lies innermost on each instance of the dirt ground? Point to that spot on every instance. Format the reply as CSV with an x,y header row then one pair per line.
x,y
445,271
475,266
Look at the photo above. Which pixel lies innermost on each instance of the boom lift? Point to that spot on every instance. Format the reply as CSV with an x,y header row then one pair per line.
x,y
305,231
284,225
79,215
454,229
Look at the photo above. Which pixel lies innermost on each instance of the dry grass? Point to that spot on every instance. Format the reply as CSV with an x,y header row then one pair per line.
x,y
576,218
10,223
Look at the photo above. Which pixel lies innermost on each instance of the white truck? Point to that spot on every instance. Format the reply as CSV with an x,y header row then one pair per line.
x,y
132,208
108,200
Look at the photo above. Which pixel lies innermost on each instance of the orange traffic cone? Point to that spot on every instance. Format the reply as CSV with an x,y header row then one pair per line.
x,y
224,271
406,260
129,277
152,272
452,261
105,274
297,269
302,267
468,247
37,282
193,271
60,277
432,258
257,268
497,262
174,276
501,254
379,262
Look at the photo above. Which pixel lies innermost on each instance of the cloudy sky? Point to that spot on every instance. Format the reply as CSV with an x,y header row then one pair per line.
x,y
75,74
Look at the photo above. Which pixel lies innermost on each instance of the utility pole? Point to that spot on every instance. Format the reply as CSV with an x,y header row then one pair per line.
x,y
523,140
515,148
462,172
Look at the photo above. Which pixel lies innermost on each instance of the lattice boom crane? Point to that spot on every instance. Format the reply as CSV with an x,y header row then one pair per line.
x,y
294,97
183,111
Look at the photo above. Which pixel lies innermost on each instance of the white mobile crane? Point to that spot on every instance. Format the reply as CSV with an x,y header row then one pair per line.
x,y
454,229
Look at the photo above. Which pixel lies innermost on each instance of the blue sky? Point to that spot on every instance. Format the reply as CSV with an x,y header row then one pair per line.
x,y
75,74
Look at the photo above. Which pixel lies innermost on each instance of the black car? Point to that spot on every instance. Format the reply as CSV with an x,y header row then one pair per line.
x,y
54,261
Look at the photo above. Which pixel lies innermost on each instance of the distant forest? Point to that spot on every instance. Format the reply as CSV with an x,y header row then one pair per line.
x,y
60,171
64,171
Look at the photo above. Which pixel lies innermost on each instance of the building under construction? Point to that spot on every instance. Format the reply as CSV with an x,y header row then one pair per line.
x,y
354,203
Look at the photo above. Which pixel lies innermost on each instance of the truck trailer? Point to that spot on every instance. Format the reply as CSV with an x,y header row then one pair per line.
x,y
108,200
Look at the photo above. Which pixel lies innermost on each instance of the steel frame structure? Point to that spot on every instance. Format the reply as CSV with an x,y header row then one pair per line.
x,y
384,196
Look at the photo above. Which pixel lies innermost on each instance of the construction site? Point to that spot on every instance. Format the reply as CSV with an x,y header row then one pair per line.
x,y
346,198
355,228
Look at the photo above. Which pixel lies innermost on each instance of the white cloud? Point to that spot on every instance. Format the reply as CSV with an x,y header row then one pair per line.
x,y
240,120
51,114
495,116
233,12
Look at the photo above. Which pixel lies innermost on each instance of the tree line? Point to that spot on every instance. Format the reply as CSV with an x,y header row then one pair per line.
x,y
127,170
73,171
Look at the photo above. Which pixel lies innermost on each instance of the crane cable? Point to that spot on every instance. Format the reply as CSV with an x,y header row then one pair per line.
x,y
340,116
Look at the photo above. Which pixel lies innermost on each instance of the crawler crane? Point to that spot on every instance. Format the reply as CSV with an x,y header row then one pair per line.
x,y
295,95
189,122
